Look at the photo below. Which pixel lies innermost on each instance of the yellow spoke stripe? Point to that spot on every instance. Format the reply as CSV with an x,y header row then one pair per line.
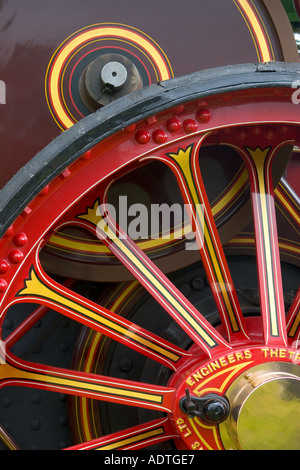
x,y
293,321
141,439
219,279
98,387
133,440
295,326
266,238
102,318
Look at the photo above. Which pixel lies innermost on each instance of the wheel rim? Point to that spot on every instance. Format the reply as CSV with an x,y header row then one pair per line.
x,y
261,123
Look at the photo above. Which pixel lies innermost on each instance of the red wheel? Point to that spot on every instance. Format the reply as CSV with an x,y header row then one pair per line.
x,y
206,378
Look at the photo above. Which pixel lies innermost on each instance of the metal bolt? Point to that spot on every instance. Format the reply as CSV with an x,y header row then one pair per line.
x,y
125,364
114,76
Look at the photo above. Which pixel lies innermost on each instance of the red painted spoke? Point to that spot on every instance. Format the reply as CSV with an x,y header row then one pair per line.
x,y
154,281
186,168
40,288
259,164
135,438
293,318
21,373
25,326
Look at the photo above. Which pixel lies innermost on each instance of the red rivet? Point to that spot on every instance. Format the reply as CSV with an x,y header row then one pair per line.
x,y
129,129
159,136
142,137
87,155
284,129
16,256
3,285
179,108
203,115
4,266
226,131
270,133
256,130
9,232
20,239
173,125
241,134
44,191
190,126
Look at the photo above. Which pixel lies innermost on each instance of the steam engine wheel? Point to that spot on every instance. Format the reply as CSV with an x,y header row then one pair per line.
x,y
110,342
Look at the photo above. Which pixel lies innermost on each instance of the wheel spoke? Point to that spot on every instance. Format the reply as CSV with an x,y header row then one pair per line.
x,y
38,287
135,438
17,372
186,168
293,318
259,164
152,278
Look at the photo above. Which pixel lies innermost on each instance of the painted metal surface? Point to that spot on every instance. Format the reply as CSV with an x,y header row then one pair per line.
x,y
45,48
219,356
223,139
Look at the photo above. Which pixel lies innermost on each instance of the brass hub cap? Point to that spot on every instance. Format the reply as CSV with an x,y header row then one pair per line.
x,y
262,386
265,405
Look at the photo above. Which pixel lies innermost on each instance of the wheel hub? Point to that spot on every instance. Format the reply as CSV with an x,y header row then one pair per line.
x,y
265,409
263,396
107,78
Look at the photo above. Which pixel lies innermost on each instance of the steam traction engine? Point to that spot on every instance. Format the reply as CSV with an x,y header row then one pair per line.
x,y
185,340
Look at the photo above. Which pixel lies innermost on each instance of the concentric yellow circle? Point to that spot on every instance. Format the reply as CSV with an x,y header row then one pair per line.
x,y
75,43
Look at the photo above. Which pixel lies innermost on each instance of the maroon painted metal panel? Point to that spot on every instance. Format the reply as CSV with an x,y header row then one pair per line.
x,y
190,35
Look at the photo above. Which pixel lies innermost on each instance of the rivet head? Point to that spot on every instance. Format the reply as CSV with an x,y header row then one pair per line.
x,y
87,154
190,126
129,129
4,266
159,136
3,285
173,125
284,129
242,133
142,137
257,130
16,256
179,108
270,133
44,191
9,232
35,424
203,115
20,239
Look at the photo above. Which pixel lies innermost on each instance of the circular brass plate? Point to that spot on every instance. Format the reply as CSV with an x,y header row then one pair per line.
x,y
265,409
